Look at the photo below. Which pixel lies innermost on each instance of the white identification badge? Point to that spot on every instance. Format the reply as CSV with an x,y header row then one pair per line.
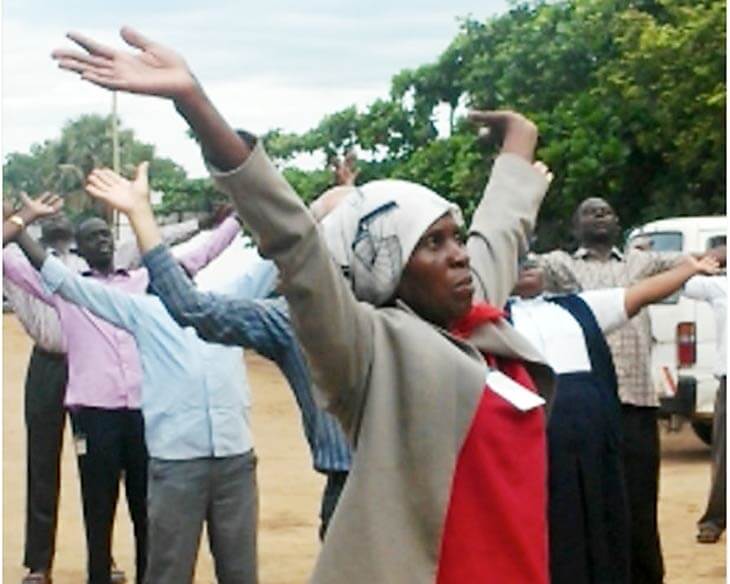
x,y
80,444
518,395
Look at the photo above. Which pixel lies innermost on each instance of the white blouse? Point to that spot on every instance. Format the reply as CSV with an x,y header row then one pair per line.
x,y
557,334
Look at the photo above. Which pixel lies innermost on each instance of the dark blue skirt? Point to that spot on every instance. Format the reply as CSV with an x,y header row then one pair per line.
x,y
588,510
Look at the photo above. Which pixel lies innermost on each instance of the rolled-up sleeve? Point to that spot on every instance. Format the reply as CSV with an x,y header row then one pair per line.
x,y
331,324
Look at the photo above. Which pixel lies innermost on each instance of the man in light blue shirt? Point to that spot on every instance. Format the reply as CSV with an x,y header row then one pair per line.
x,y
195,405
233,319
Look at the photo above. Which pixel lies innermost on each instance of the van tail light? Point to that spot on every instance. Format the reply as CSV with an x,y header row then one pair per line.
x,y
686,344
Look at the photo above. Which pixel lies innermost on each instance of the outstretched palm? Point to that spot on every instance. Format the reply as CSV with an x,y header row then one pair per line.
x,y
156,70
120,193
707,265
43,205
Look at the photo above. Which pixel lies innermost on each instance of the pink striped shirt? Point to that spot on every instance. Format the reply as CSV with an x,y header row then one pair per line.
x,y
104,369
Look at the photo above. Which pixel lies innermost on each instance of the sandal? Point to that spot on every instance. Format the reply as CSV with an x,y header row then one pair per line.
x,y
118,576
36,578
708,534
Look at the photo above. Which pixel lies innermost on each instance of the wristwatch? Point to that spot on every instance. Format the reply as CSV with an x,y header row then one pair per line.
x,y
18,220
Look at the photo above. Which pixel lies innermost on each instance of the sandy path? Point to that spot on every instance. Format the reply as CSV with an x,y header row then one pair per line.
x,y
290,490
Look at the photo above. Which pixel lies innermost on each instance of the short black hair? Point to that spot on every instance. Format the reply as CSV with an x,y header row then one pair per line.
x,y
57,228
83,221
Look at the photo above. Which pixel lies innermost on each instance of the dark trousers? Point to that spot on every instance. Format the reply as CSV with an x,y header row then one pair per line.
x,y
330,496
641,467
45,387
110,445
714,516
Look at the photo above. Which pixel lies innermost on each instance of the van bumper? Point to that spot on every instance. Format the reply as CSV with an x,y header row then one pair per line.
x,y
683,402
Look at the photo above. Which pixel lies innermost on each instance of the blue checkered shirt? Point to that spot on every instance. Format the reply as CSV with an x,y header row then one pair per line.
x,y
262,325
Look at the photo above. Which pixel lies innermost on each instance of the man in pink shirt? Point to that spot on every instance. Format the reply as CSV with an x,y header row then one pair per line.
x,y
103,392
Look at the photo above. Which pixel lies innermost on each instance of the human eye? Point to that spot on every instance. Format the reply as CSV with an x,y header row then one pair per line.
x,y
431,241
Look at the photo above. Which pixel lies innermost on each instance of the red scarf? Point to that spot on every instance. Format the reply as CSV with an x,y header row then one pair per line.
x,y
478,315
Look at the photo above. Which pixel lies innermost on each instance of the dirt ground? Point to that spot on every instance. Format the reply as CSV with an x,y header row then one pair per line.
x,y
290,490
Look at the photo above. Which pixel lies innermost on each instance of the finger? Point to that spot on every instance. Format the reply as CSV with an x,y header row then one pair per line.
x,y
82,67
104,175
99,179
110,177
7,209
541,167
96,192
46,198
105,81
25,199
141,176
55,203
78,56
132,37
484,134
73,65
91,45
486,117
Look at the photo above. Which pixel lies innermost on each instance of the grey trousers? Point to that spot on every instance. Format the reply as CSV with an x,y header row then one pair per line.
x,y
182,495
714,516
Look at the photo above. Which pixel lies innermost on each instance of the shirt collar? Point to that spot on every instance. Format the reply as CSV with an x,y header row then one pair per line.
x,y
584,253
97,274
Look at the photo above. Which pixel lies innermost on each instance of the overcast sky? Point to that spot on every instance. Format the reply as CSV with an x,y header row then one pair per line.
x,y
265,64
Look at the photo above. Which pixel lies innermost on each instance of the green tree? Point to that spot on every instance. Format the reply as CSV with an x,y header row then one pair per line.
x,y
629,96
62,164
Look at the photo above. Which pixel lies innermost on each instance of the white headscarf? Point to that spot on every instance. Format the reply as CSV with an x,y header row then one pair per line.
x,y
374,230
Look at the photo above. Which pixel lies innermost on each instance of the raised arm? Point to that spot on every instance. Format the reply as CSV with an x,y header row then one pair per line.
x,y
157,70
210,248
655,288
119,308
128,256
132,199
44,205
505,217
22,268
218,318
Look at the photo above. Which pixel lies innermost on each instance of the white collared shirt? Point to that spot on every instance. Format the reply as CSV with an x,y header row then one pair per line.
x,y
713,289
556,334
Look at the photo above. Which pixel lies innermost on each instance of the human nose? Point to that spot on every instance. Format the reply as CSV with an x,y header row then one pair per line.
x,y
457,253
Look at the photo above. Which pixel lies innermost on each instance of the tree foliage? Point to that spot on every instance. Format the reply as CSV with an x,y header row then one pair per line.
x,y
629,96
62,164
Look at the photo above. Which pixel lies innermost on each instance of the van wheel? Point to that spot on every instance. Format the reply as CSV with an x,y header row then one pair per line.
x,y
703,431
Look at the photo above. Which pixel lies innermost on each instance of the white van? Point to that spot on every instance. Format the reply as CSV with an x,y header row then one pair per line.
x,y
683,330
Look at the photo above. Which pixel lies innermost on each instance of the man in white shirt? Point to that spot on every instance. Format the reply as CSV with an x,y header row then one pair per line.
x,y
713,289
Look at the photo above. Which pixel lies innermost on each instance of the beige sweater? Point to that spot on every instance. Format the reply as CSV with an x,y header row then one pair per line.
x,y
404,390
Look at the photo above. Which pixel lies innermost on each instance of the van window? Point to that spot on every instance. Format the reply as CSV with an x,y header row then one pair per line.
x,y
716,241
666,241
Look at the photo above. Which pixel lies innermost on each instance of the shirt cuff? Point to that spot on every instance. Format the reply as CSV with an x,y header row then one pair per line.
x,y
229,227
54,273
253,143
515,165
